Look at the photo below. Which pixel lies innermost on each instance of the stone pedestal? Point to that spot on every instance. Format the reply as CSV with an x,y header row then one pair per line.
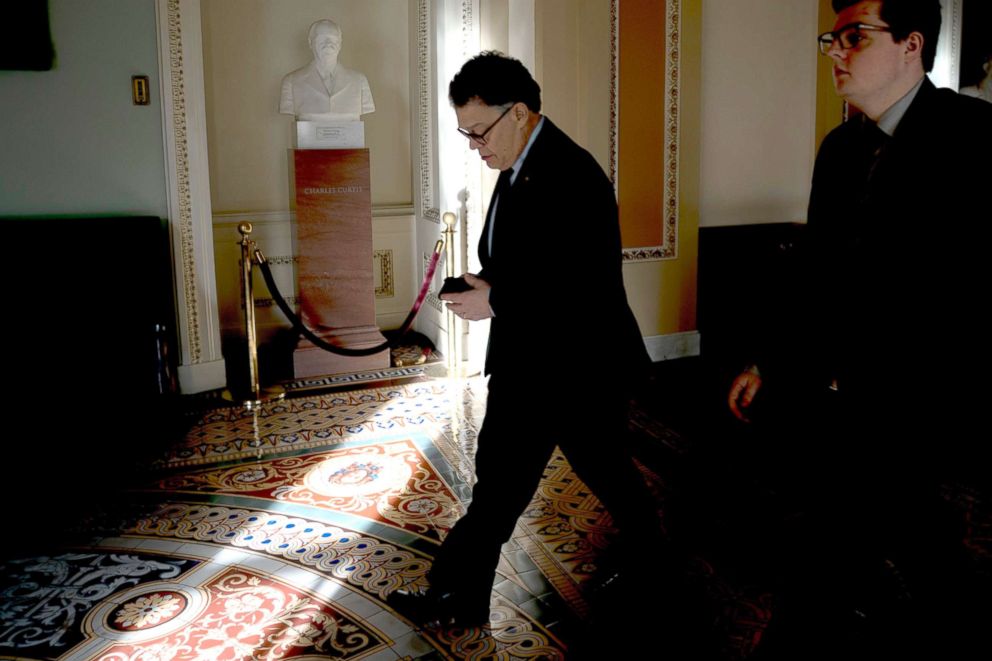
x,y
334,252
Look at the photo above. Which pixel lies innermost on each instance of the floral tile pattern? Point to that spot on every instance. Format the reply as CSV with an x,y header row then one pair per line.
x,y
243,615
359,559
278,533
44,600
228,433
393,483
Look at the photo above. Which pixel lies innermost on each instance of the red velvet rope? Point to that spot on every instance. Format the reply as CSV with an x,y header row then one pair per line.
x,y
333,348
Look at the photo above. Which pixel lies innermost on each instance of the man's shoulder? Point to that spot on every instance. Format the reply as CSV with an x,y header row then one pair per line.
x,y
302,72
553,143
345,74
947,122
953,111
841,136
949,101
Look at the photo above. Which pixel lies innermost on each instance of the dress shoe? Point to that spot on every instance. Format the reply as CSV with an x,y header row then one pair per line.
x,y
446,610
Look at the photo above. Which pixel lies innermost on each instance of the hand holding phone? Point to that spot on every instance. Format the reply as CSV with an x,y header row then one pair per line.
x,y
454,286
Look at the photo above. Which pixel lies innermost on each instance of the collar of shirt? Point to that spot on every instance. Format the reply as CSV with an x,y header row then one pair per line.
x,y
517,164
890,118
326,76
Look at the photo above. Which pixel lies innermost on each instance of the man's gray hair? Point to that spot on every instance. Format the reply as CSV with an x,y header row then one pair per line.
x,y
324,21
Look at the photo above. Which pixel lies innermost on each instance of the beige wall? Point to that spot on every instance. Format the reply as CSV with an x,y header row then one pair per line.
x,y
748,125
573,68
249,45
663,294
72,141
758,110
829,106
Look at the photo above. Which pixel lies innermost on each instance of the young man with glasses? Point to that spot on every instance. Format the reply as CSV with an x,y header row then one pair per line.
x,y
551,283
870,376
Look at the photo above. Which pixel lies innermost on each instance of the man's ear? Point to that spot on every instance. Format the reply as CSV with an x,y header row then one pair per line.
x,y
913,45
519,111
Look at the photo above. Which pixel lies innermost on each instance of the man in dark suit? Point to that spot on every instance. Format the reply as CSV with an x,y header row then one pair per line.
x,y
551,330
869,375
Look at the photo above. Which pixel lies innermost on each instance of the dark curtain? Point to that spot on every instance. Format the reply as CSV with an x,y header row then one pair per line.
x,y
25,38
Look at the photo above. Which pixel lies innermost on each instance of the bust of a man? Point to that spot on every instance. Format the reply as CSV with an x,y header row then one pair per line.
x,y
325,90
983,89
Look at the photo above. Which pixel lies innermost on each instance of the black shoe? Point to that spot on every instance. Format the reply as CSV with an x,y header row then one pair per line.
x,y
447,610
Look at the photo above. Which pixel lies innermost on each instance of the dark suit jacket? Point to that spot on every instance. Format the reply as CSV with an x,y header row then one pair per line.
x,y
555,269
893,298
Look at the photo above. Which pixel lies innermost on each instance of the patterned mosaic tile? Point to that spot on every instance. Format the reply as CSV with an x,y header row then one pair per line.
x,y
353,490
369,567
44,600
392,483
229,433
359,559
409,355
283,529
239,614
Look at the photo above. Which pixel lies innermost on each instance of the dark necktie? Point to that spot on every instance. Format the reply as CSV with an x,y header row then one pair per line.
x,y
874,140
502,191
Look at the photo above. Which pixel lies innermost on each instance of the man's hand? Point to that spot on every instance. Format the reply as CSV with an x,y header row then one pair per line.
x,y
742,393
473,304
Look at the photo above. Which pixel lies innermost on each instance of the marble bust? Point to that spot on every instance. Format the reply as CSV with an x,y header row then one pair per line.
x,y
983,89
324,90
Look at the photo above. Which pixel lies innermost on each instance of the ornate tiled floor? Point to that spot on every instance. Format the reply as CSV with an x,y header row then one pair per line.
x,y
277,533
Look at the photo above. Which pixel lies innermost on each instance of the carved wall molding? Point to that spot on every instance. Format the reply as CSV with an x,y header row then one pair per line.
x,y
947,63
614,92
292,301
183,217
263,218
670,194
382,263
428,203
201,362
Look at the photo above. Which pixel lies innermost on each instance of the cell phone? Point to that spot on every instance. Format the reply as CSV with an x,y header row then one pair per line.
x,y
454,286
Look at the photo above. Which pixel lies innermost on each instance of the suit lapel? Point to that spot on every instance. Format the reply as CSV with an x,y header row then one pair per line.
x,y
534,167
914,124
314,81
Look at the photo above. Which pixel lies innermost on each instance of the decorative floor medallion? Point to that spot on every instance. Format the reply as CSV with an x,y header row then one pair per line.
x,y
278,533
148,610
44,600
246,616
392,483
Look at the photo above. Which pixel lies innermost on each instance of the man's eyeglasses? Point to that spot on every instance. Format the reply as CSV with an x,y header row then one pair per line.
x,y
480,138
848,36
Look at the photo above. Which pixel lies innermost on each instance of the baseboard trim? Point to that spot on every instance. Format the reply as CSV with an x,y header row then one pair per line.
x,y
674,345
201,377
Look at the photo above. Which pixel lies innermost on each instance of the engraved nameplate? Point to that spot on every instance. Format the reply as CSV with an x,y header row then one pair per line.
x,y
330,135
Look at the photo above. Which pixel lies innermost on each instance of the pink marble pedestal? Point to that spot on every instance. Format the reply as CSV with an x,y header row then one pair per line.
x,y
334,251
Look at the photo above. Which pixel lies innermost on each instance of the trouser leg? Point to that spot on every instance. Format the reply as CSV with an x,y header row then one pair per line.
x,y
599,453
509,464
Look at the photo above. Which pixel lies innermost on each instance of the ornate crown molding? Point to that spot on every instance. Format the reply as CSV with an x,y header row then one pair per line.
x,y
614,91
425,126
184,213
670,194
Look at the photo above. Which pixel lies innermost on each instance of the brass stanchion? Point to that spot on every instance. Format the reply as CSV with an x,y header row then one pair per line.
x,y
453,354
256,395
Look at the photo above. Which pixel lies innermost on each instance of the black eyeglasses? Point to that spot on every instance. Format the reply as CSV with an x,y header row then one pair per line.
x,y
848,36
480,138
